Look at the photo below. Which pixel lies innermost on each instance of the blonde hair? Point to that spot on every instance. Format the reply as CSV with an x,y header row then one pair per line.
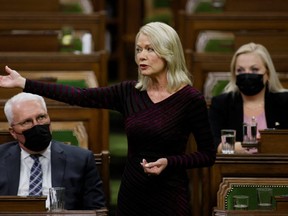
x,y
167,45
274,84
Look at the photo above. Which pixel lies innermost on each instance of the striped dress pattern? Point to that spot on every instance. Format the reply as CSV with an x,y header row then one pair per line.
x,y
154,130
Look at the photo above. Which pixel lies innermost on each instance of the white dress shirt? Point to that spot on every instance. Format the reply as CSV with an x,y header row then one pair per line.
x,y
25,167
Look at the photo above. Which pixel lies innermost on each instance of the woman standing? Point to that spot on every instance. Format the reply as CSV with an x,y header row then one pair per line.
x,y
160,111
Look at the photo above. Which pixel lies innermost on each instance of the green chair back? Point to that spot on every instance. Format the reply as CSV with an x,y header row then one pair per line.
x,y
75,83
66,136
251,191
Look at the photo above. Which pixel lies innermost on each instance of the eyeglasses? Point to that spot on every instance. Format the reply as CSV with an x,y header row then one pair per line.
x,y
29,123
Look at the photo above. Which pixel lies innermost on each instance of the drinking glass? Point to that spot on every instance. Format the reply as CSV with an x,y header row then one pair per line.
x,y
240,202
228,137
57,199
264,198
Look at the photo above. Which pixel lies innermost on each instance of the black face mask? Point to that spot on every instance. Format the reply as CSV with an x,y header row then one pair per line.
x,y
37,138
250,84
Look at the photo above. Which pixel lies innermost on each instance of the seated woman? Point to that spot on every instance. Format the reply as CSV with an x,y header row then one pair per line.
x,y
254,91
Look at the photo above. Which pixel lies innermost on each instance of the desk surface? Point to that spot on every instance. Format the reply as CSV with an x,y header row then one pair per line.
x,y
244,158
218,212
102,212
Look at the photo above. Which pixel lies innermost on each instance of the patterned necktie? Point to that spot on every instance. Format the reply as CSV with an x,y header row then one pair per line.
x,y
35,185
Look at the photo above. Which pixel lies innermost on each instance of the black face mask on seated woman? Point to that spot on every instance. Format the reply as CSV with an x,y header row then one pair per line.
x,y
38,137
250,84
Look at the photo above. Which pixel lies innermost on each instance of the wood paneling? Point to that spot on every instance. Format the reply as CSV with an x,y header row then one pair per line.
x,y
94,23
191,24
30,5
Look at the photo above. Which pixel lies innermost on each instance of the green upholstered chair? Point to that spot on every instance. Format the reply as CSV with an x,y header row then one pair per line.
x,y
219,45
74,78
73,133
215,84
158,10
207,7
215,41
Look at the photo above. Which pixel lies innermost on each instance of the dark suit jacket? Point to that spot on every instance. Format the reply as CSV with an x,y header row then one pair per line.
x,y
72,167
226,112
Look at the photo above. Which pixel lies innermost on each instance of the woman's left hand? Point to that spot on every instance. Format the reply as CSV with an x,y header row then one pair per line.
x,y
154,168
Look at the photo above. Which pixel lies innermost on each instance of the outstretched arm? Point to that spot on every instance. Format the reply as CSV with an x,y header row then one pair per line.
x,y
12,80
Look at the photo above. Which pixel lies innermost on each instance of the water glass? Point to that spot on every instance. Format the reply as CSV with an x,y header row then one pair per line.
x,y
264,198
57,199
240,202
249,133
218,3
228,138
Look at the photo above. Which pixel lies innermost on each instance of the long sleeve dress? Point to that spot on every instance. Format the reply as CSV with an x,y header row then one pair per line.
x,y
154,130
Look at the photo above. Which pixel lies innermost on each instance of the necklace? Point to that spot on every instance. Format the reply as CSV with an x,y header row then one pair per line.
x,y
252,106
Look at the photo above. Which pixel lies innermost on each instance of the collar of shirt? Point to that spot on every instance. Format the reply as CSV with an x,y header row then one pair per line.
x,y
45,154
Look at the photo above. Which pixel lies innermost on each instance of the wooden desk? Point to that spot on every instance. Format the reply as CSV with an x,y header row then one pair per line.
x,y
100,212
274,41
189,25
279,138
217,212
256,5
30,5
258,165
281,203
94,23
15,205
22,204
51,61
44,41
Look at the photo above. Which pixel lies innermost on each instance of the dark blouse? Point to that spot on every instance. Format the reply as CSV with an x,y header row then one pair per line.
x,y
226,112
154,130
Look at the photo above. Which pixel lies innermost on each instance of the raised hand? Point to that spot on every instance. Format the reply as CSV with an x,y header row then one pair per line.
x,y
13,79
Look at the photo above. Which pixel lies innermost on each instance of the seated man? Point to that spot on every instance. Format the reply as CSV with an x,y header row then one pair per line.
x,y
61,165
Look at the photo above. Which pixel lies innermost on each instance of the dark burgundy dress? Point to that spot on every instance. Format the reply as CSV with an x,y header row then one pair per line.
x,y
154,130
